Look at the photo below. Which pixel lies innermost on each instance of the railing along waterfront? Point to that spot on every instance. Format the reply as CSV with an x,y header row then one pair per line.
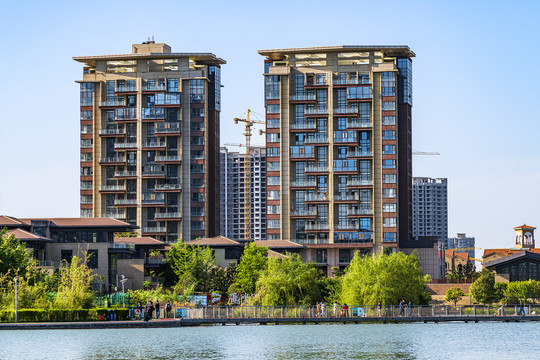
x,y
367,312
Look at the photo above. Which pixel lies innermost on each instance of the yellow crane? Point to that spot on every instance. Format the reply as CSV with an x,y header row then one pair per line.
x,y
248,125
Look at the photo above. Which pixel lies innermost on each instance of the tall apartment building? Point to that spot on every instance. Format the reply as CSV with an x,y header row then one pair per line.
x,y
233,194
339,148
462,243
150,140
430,208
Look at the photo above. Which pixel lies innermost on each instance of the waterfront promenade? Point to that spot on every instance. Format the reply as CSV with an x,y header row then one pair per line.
x,y
252,315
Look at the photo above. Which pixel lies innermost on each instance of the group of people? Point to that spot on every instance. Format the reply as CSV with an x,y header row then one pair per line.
x,y
149,309
404,308
321,309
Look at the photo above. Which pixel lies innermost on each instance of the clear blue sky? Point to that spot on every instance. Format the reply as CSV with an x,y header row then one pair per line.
x,y
476,79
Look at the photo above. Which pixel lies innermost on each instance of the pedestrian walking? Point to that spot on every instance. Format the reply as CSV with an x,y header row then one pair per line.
x,y
345,310
168,309
323,309
335,309
410,308
379,307
158,308
318,309
401,310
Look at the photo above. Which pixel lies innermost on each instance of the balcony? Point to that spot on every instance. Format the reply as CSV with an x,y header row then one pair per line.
x,y
302,127
112,188
345,166
346,110
317,198
317,227
154,145
302,98
303,213
168,128
112,132
152,171
346,82
112,160
152,114
168,216
154,88
317,169
112,103
345,137
359,93
153,199
311,241
168,99
126,89
303,184
359,153
359,212
316,139
125,174
119,214
168,187
302,156
346,227
359,183
127,114
316,112
169,159
125,202
122,246
356,124
127,145
346,197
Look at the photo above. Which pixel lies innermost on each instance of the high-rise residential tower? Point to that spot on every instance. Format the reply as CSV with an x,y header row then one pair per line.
x,y
430,208
150,140
233,194
339,148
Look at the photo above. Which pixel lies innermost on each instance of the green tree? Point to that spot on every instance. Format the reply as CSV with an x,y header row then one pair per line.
x,y
454,294
483,289
385,278
222,278
254,262
192,264
14,258
288,281
75,284
500,289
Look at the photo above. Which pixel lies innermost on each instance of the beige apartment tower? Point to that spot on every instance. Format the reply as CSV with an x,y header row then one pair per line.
x,y
339,149
150,140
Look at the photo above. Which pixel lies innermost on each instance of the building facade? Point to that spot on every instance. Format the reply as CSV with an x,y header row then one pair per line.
x,y
233,194
150,140
430,208
338,124
462,243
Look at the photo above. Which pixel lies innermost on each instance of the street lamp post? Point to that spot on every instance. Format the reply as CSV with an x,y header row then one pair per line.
x,y
123,281
16,280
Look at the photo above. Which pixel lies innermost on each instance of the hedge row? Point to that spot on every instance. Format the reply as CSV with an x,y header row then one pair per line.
x,y
51,315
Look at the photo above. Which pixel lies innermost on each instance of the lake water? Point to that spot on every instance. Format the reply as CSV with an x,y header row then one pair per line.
x,y
363,341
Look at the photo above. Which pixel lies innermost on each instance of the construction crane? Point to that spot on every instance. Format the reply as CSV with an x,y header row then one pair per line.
x,y
248,125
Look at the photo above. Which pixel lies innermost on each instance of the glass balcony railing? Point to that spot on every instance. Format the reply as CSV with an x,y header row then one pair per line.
x,y
128,145
346,110
126,88
168,187
167,215
317,197
302,97
346,197
150,113
115,102
359,182
303,212
152,87
125,202
120,214
345,165
125,173
317,139
153,199
167,99
345,136
168,127
350,226
360,152
112,159
302,126
112,188
127,246
359,212
125,114
318,168
168,158
303,183
112,132
154,144
317,227
353,123
151,171
316,111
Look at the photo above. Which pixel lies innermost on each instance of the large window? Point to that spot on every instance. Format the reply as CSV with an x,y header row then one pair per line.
x,y
388,106
389,222
389,178
271,87
389,193
388,84
273,180
272,166
92,260
389,208
87,94
274,224
389,164
389,135
196,91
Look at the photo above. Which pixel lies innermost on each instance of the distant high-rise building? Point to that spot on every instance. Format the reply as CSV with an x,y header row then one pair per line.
x,y
461,243
150,140
339,173
233,194
430,208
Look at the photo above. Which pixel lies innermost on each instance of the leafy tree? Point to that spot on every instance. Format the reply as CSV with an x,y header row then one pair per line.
x,y
75,284
483,289
14,258
254,261
454,294
500,290
192,264
222,278
288,282
385,278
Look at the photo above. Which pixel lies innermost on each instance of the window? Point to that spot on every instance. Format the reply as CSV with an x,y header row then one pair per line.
x,y
92,260
87,94
196,91
321,79
273,180
389,135
66,255
272,152
389,149
274,209
86,115
389,236
389,120
272,166
197,112
388,83
389,164
271,87
388,106
389,208
274,224
273,194
86,213
172,85
272,137
389,222
389,178
272,123
389,193
272,109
